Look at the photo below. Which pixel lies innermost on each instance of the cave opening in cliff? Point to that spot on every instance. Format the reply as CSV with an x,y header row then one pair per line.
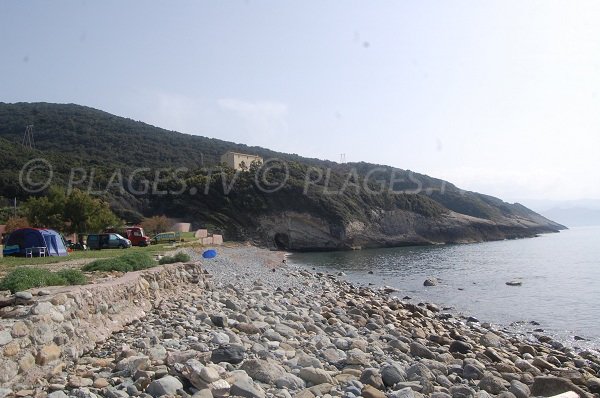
x,y
282,241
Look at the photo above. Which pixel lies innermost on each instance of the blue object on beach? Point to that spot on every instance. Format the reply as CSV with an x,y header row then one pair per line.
x,y
209,254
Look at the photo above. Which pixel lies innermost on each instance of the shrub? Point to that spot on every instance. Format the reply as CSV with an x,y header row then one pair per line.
x,y
26,278
126,263
180,257
73,276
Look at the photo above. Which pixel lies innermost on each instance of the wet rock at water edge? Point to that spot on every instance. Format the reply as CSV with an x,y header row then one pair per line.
x,y
430,282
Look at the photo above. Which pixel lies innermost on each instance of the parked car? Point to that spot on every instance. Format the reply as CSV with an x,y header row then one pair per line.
x,y
134,233
107,241
166,237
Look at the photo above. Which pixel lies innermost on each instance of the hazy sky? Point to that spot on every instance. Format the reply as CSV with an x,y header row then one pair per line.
x,y
501,97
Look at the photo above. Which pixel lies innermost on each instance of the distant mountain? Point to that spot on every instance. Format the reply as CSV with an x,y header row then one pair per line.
x,y
299,216
574,216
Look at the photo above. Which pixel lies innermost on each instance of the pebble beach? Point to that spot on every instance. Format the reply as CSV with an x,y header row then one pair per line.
x,y
264,328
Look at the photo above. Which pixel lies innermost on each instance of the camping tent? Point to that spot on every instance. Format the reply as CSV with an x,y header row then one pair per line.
x,y
26,238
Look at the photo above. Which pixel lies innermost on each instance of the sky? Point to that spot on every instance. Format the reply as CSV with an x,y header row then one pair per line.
x,y
500,97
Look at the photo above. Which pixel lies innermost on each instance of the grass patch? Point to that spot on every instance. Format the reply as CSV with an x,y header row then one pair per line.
x,y
180,257
11,262
133,261
26,278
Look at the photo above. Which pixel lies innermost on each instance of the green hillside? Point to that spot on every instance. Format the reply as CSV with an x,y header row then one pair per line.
x,y
420,210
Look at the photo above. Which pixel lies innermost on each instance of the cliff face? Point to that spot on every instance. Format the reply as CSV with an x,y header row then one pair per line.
x,y
305,232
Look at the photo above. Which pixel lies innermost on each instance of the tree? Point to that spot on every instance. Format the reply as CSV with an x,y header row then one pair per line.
x,y
47,211
83,213
156,224
74,213
15,223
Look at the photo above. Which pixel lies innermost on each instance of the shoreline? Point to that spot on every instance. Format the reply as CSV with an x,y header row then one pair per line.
x,y
263,328
404,271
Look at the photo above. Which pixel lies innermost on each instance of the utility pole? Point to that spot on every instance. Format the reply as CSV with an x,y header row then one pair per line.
x,y
342,158
28,137
15,207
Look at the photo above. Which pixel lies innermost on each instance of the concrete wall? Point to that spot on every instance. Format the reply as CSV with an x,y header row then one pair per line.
x,y
201,233
42,335
181,227
206,241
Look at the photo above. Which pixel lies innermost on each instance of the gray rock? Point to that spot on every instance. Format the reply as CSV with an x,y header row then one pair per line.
x,y
264,371
24,295
209,375
372,377
438,366
419,350
220,338
462,391
57,394
306,361
157,353
334,356
192,370
490,340
82,393
233,354
460,346
204,393
593,384
403,393
356,357
219,320
231,305
399,345
41,308
418,371
5,337
132,364
520,390
315,376
111,392
492,384
415,385
247,389
290,382
506,394
547,386
471,372
167,385
285,330
8,370
430,282
443,381
392,374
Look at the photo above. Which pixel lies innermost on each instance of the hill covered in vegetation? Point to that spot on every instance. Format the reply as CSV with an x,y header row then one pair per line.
x,y
291,202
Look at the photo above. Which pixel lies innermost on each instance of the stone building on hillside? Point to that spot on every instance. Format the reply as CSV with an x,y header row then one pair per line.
x,y
239,161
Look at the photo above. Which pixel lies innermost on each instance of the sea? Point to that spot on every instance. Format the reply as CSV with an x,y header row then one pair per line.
x,y
559,275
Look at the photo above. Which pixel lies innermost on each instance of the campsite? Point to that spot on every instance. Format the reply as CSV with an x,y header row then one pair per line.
x,y
78,258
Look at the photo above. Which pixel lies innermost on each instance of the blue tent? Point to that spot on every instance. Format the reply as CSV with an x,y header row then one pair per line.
x,y
32,238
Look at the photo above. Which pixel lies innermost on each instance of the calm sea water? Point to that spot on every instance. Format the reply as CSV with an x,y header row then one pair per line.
x,y
560,275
